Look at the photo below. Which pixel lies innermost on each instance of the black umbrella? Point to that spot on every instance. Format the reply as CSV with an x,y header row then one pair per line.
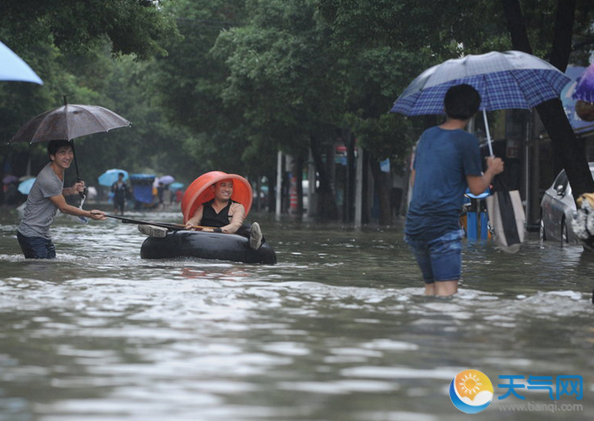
x,y
67,123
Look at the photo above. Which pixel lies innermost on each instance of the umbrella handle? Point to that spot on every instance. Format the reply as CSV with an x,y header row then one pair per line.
x,y
488,132
82,194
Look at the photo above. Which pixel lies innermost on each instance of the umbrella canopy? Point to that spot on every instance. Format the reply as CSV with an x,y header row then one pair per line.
x,y
69,122
13,68
167,179
10,179
584,94
508,80
111,176
176,186
25,186
512,79
584,89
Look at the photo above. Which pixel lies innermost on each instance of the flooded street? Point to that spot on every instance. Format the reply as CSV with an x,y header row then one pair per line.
x,y
337,330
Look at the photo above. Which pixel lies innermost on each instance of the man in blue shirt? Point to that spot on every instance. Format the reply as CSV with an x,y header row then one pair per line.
x,y
447,161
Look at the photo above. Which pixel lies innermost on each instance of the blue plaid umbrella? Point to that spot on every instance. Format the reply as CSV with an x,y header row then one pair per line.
x,y
512,79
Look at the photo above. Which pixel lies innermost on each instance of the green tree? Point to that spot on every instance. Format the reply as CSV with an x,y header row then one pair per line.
x,y
444,29
189,81
73,46
291,82
132,26
567,147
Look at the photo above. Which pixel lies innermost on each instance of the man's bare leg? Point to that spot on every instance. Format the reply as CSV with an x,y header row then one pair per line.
x,y
429,289
446,288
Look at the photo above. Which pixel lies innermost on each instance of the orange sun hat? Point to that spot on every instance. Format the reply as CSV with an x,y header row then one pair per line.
x,y
200,192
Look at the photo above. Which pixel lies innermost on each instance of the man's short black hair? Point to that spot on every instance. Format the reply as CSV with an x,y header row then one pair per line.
x,y
54,145
461,102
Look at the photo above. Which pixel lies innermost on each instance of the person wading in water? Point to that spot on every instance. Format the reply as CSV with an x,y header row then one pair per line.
x,y
44,200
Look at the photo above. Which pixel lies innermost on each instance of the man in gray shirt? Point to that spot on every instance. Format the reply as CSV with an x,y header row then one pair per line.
x,y
44,200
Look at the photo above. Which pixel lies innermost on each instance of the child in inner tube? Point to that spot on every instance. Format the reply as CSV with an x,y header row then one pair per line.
x,y
221,214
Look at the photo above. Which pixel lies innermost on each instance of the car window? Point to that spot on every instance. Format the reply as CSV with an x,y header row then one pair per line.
x,y
561,180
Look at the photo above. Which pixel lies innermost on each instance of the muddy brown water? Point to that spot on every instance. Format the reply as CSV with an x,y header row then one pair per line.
x,y
337,330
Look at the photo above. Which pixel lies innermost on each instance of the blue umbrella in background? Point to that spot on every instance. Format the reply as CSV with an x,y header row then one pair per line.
x,y
10,179
584,95
584,89
13,68
111,176
25,186
176,186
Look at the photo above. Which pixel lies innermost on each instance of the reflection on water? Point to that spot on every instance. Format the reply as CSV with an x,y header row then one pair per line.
x,y
337,330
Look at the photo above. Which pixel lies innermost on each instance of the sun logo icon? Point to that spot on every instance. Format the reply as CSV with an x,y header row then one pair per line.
x,y
471,391
470,383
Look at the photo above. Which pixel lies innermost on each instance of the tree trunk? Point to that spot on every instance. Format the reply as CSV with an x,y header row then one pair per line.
x,y
298,174
366,217
385,212
272,193
351,172
326,204
257,205
566,146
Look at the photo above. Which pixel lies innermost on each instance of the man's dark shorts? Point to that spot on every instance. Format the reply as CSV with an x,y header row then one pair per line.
x,y
439,259
36,247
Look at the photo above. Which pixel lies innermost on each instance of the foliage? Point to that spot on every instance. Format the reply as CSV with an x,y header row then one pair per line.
x,y
74,47
283,73
224,84
131,26
189,82
422,34
446,27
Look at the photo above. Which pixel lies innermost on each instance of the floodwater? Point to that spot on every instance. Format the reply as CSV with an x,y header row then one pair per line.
x,y
337,330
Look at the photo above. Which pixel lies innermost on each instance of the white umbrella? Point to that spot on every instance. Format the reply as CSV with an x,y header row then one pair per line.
x,y
13,68
167,179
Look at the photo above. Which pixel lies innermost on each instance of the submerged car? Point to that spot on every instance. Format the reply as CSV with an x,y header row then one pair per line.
x,y
556,210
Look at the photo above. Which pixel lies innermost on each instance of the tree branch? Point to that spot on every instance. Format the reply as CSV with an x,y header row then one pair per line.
x,y
516,25
563,34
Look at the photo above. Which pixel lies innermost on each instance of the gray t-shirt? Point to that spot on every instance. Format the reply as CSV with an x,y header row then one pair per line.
x,y
39,210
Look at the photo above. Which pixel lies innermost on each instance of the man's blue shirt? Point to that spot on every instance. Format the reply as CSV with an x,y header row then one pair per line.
x,y
443,159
